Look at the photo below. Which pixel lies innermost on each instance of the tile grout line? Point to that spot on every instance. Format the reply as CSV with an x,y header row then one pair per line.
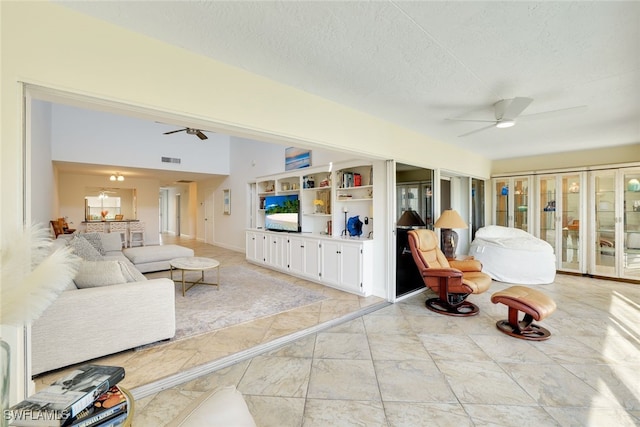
x,y
207,368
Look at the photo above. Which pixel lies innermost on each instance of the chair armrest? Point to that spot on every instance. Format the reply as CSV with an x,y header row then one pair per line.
x,y
466,265
441,272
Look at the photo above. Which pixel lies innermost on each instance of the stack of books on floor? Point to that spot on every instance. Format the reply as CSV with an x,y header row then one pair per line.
x,y
86,397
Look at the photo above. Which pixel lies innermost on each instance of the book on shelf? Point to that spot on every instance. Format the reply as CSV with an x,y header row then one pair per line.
x,y
106,407
57,404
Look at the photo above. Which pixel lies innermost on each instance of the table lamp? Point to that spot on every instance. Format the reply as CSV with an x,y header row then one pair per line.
x,y
410,218
449,220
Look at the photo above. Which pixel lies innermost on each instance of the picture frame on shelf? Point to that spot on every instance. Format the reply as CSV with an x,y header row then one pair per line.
x,y
226,201
296,158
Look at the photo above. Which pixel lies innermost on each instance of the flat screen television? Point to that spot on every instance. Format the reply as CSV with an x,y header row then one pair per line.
x,y
282,213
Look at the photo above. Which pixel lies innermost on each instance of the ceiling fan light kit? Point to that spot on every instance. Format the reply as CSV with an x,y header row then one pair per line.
x,y
503,124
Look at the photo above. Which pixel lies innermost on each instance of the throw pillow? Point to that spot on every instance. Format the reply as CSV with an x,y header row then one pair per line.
x,y
111,242
83,249
92,274
130,273
95,240
222,408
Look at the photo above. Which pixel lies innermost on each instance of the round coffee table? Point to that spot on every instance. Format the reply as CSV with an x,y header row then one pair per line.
x,y
195,264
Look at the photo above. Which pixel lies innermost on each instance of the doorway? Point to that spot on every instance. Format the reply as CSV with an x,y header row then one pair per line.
x,y
414,199
208,217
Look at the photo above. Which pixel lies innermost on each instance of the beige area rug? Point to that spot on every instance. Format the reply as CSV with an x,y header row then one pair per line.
x,y
243,295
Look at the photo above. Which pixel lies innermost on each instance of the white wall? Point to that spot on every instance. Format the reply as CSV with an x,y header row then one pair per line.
x,y
43,181
251,159
87,136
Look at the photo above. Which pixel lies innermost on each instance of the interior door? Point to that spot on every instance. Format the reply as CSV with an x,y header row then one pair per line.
x,y
178,208
208,218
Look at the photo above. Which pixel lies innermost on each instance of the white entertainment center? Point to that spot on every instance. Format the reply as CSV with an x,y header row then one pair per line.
x,y
323,251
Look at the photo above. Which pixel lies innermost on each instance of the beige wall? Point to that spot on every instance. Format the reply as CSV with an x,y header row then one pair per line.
x,y
578,159
72,189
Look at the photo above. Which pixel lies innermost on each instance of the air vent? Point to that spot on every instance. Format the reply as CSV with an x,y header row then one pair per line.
x,y
184,181
170,160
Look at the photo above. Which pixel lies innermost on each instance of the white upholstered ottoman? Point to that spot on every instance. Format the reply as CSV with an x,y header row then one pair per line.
x,y
223,408
155,258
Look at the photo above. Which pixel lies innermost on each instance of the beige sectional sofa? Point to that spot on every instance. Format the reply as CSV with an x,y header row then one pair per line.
x,y
109,306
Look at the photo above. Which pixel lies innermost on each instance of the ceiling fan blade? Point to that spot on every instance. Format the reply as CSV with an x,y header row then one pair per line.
x,y
471,120
201,135
174,131
543,114
477,130
515,107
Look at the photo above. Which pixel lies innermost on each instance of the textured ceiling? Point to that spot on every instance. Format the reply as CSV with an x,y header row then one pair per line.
x,y
419,63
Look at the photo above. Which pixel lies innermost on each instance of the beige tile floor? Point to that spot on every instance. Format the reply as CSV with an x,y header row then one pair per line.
x,y
403,365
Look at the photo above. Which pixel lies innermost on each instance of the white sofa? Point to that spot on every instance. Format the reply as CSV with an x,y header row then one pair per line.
x,y
109,306
512,255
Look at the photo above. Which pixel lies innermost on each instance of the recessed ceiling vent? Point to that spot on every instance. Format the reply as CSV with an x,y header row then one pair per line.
x,y
170,160
184,181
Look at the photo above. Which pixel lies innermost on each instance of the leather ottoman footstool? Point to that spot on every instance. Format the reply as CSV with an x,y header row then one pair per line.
x,y
533,303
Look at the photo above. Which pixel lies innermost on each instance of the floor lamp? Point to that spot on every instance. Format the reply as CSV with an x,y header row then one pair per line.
x,y
449,220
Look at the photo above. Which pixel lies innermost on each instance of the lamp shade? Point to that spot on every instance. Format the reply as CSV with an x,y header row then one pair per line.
x,y
450,219
410,218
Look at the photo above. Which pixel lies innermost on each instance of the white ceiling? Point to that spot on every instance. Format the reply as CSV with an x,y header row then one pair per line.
x,y
418,63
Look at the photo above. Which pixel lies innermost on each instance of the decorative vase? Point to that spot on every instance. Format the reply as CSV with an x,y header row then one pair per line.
x,y
5,353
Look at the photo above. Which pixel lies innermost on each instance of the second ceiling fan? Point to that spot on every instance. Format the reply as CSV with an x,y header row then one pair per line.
x,y
507,111
191,131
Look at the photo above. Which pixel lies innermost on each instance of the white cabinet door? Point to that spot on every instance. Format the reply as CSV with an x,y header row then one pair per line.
x,y
277,252
512,202
255,246
330,264
630,224
297,255
304,257
342,265
312,259
561,217
351,267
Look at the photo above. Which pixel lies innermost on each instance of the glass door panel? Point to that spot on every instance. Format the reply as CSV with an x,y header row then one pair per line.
x,y
547,213
502,202
605,223
571,213
631,256
477,206
521,203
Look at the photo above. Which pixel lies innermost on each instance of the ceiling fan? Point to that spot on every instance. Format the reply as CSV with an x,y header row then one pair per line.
x,y
507,111
191,131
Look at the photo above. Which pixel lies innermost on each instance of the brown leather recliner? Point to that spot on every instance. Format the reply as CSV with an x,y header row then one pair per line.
x,y
453,280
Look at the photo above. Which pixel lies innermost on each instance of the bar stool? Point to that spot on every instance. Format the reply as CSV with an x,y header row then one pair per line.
x,y
119,227
136,229
95,227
